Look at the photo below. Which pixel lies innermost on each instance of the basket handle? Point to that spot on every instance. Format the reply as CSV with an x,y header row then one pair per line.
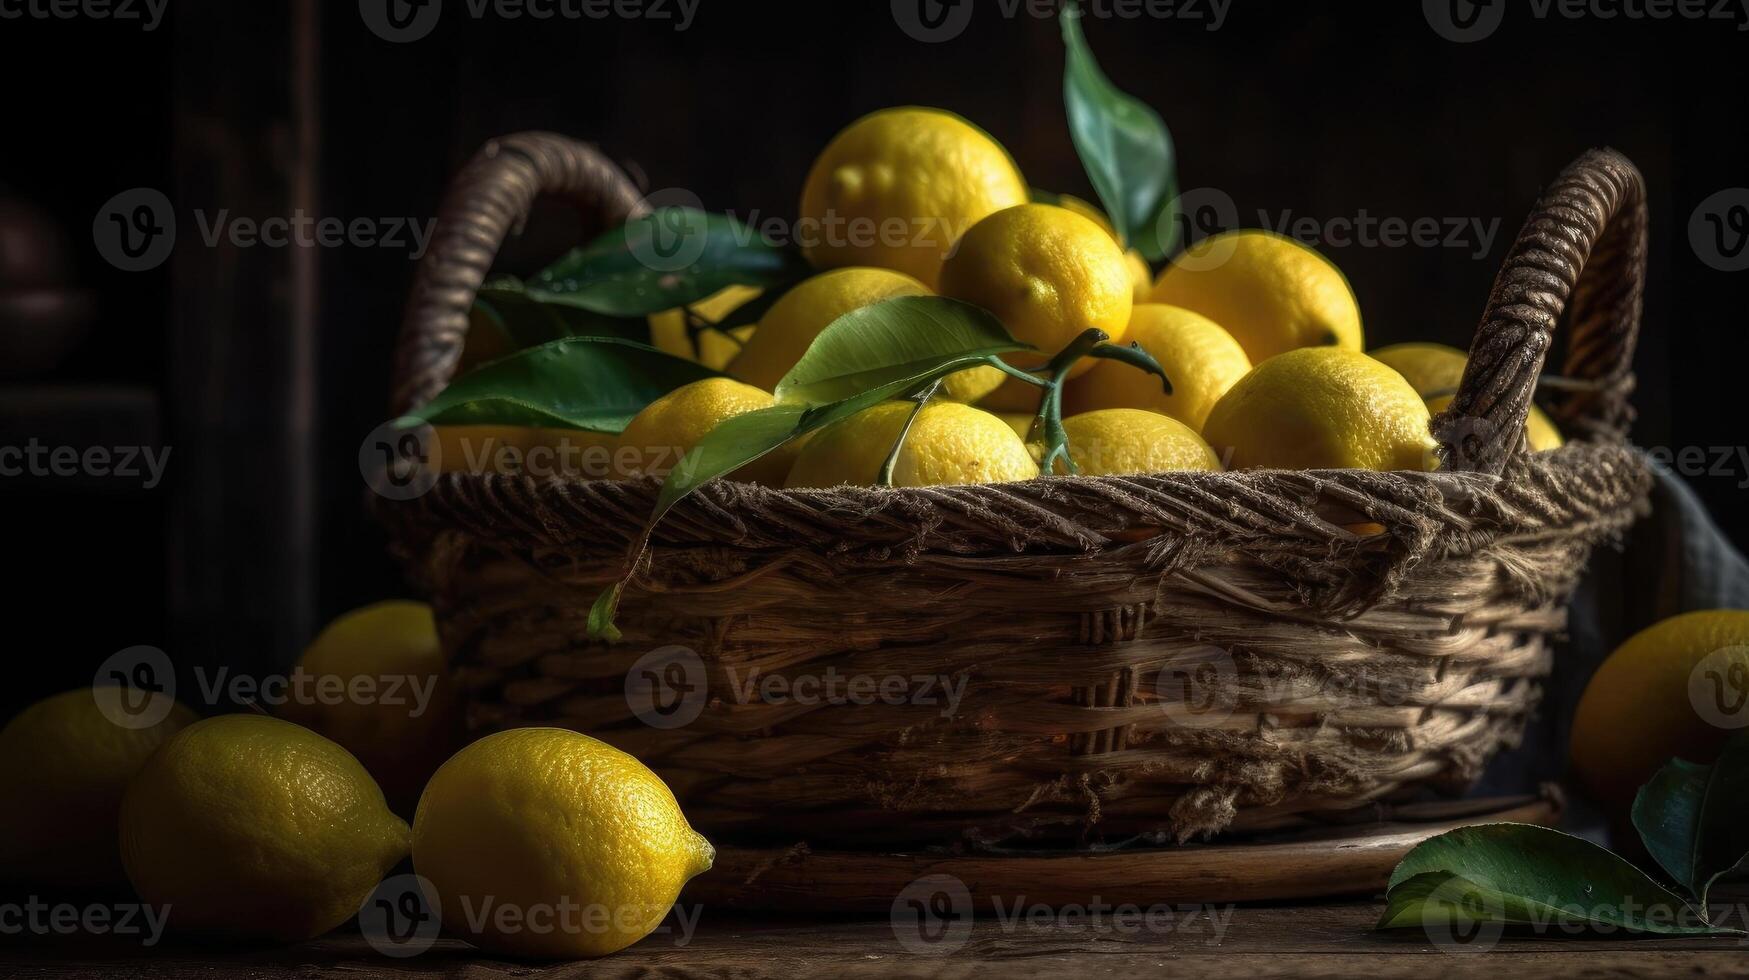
x,y
1584,242
489,198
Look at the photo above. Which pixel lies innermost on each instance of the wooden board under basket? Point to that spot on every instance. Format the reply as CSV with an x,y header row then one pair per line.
x,y
1353,859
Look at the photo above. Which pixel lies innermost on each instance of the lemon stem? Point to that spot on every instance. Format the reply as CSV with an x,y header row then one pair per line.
x,y
892,460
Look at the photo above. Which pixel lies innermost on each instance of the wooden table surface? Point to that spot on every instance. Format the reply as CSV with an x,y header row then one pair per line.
x,y
1250,942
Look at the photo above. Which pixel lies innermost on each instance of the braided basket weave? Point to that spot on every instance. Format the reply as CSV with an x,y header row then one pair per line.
x,y
1148,656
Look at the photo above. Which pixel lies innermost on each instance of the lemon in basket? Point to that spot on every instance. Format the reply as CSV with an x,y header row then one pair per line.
x,y
1435,370
1322,408
898,187
1141,277
1272,293
794,321
65,765
1677,689
583,846
249,826
1202,360
949,443
1121,441
1047,273
658,438
714,349
376,682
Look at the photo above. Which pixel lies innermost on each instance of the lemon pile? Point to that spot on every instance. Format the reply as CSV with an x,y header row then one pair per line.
x,y
1259,334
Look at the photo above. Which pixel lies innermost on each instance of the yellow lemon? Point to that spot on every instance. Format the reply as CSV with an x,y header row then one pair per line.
x,y
898,187
250,826
516,450
794,321
950,443
1202,361
1674,689
1120,441
1047,273
65,762
1141,277
1435,370
1020,422
545,842
713,348
1272,293
658,438
1322,408
376,682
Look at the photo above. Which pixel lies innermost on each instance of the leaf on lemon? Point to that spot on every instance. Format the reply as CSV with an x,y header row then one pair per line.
x,y
1523,874
1691,817
592,383
665,259
1124,147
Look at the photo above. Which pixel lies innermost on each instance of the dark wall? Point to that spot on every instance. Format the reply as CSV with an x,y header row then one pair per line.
x,y
1327,111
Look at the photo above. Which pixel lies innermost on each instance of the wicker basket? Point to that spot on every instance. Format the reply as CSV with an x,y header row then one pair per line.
x,y
1146,657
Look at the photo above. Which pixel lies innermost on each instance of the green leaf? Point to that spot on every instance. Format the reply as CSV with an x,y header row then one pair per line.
x,y
1123,145
529,318
591,383
1692,817
894,346
1528,875
668,258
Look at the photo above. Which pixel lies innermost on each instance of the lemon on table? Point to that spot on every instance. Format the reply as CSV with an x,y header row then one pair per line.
x,y
1675,689
1141,277
794,321
1122,441
1435,371
65,765
657,438
898,187
1272,293
1047,273
399,714
558,828
712,348
250,826
950,443
1322,408
1202,361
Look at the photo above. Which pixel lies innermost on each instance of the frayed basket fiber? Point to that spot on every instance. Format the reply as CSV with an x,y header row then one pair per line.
x,y
1153,657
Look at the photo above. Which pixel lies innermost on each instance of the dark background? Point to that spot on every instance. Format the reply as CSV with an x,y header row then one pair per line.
x,y
263,369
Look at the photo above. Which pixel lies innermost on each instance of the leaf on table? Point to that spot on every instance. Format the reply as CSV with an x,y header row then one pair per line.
x,y
1522,874
591,383
1694,819
1123,145
668,258
895,345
